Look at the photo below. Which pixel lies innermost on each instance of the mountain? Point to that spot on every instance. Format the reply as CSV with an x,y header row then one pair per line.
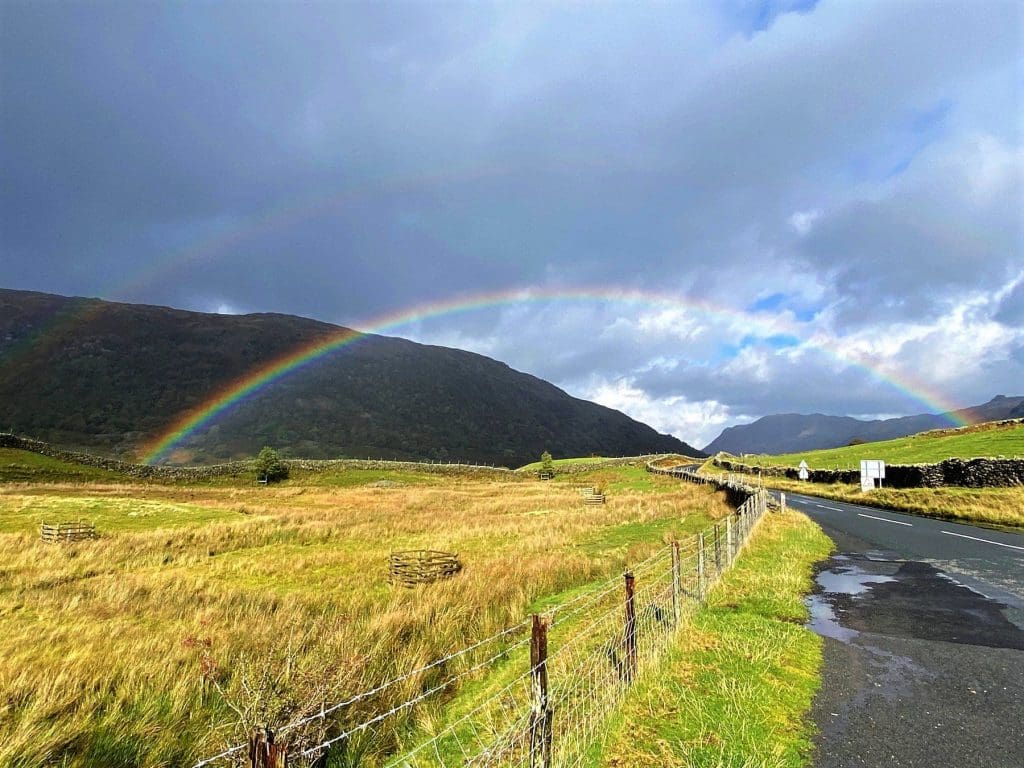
x,y
793,432
110,377
999,407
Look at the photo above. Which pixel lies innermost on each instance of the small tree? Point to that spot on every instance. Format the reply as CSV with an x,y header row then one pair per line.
x,y
546,463
269,465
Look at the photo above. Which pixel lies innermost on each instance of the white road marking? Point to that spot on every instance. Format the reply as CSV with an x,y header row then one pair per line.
x,y
987,541
825,506
886,520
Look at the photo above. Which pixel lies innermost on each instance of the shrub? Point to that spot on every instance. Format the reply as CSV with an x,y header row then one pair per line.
x,y
269,465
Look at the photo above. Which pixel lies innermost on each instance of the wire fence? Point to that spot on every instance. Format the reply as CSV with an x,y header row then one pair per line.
x,y
543,690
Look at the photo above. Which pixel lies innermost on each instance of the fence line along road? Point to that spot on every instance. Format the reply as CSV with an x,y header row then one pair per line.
x,y
544,689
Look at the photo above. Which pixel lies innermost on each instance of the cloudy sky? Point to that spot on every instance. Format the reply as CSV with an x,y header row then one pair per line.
x,y
698,213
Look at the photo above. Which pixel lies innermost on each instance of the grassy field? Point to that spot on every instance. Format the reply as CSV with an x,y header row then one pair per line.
x,y
667,460
25,466
537,465
736,688
202,610
983,440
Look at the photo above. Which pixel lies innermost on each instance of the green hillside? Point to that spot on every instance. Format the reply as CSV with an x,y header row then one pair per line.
x,y
983,440
27,467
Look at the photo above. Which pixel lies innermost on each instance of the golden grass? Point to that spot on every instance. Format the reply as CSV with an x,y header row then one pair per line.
x,y
988,506
1003,507
138,648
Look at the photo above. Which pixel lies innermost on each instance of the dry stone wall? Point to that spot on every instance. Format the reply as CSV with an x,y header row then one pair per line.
x,y
7,440
582,467
965,473
234,468
737,492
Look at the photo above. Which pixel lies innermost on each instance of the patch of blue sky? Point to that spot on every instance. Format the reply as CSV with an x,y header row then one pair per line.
x,y
777,302
894,153
753,16
768,303
725,352
776,341
806,314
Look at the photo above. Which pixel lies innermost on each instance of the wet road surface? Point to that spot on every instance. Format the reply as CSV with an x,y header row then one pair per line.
x,y
923,624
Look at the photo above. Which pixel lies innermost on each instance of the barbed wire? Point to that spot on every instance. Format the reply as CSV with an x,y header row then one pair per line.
x,y
380,688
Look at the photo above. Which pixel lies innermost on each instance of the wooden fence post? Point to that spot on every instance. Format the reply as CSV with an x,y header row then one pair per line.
x,y
718,550
700,565
728,540
630,635
265,752
677,586
540,716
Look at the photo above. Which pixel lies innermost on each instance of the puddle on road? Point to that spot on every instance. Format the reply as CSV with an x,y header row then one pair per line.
x,y
844,579
823,621
849,580
881,595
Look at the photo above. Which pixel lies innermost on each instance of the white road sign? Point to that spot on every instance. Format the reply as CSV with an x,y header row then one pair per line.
x,y
872,472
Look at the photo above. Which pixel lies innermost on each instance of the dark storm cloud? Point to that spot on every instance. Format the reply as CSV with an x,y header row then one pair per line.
x,y
346,160
1011,309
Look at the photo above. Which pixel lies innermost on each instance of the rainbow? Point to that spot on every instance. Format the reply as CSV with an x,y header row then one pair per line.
x,y
196,419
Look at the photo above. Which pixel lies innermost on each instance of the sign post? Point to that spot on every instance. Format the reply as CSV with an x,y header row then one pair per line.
x,y
803,474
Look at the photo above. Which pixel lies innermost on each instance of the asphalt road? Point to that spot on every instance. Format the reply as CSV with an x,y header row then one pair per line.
x,y
923,625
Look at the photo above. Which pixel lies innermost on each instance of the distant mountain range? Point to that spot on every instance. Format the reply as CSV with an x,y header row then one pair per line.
x,y
793,432
108,377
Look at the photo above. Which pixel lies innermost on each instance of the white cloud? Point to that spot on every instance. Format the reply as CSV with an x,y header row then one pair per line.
x,y
802,221
696,423
218,306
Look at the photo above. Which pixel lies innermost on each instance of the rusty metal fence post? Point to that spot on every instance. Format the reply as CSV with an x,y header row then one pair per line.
x,y
540,716
630,634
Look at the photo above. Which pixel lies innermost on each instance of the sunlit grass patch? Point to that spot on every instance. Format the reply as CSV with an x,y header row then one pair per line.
x,y
537,465
193,589
25,513
735,689
983,440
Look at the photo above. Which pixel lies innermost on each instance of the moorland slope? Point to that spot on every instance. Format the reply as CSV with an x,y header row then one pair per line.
x,y
109,377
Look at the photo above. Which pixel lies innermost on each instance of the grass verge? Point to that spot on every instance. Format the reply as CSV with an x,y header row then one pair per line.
x,y
736,688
